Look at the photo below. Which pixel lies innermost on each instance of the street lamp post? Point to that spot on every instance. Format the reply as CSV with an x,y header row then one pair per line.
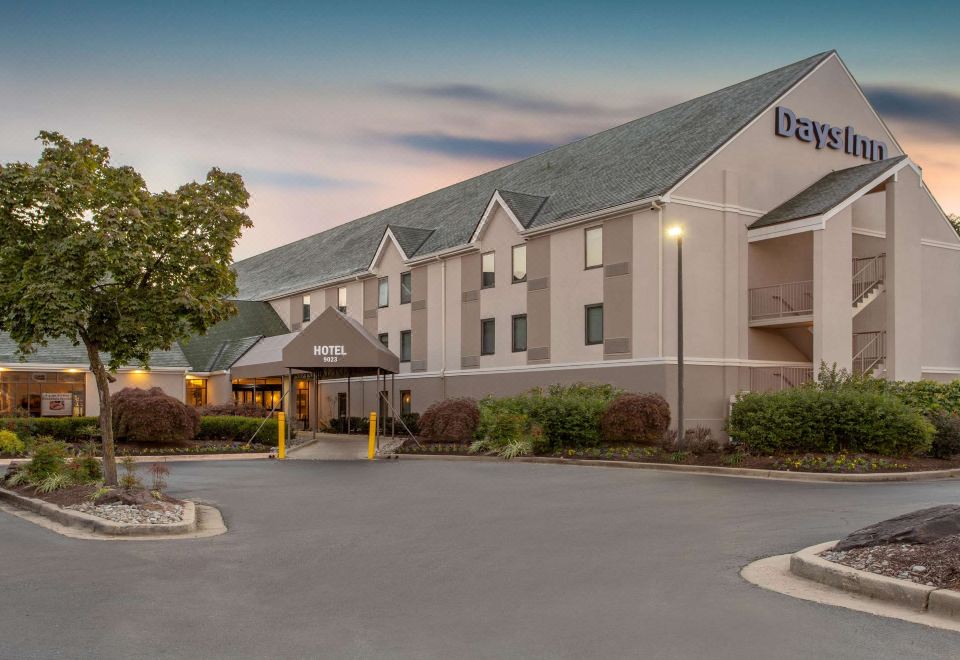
x,y
676,232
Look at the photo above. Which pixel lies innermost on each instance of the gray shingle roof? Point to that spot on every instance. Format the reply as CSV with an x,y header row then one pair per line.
x,y
525,207
410,238
224,343
640,159
826,193
61,351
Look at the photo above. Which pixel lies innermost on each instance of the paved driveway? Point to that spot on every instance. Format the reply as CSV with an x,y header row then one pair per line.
x,y
430,559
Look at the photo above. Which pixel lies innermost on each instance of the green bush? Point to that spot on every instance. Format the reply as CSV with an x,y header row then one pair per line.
x,y
66,429
221,428
946,441
828,420
357,425
10,444
49,458
570,415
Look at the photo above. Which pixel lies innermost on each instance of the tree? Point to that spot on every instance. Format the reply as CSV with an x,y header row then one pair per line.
x,y
955,221
89,254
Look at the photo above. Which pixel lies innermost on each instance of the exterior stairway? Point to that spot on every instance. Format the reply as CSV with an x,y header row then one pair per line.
x,y
868,274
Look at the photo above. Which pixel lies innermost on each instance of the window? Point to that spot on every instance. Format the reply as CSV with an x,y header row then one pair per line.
x,y
306,308
519,264
487,277
519,333
197,392
21,393
488,337
594,324
406,402
384,339
342,299
342,406
406,288
593,247
405,346
383,292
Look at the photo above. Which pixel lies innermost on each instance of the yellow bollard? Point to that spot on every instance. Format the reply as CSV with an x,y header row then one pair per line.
x,y
372,443
282,433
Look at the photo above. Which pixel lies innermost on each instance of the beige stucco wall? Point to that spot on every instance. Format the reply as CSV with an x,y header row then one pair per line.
x,y
505,299
571,289
775,168
395,317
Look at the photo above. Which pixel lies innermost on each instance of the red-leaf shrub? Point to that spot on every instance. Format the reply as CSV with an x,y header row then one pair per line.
x,y
640,418
153,416
452,420
233,410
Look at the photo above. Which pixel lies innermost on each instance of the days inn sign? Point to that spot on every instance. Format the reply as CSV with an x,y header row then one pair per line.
x,y
824,135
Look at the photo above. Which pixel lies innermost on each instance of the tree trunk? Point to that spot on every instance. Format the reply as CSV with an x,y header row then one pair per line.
x,y
106,414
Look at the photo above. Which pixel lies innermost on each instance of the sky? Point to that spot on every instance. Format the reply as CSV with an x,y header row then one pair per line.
x,y
331,111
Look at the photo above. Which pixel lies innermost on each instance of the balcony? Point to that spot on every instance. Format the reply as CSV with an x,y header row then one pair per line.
x,y
774,379
782,305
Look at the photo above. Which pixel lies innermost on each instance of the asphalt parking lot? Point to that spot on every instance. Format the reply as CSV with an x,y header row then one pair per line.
x,y
439,559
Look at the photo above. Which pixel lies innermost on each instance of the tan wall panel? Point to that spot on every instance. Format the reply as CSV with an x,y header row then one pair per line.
x,y
370,304
469,311
538,300
618,288
420,297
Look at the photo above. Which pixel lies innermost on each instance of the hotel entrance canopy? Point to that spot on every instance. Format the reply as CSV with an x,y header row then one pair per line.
x,y
336,346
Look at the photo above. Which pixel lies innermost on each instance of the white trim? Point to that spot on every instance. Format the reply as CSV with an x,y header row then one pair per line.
x,y
760,114
714,206
785,229
875,233
600,364
488,212
387,233
940,370
929,242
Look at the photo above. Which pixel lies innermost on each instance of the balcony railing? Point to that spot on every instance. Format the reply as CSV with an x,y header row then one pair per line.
x,y
774,379
868,274
869,350
781,301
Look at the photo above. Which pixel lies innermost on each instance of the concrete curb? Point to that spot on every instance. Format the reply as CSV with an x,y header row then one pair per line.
x,y
173,458
101,526
747,473
808,564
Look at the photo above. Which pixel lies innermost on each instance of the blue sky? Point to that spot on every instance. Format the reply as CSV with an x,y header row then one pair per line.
x,y
334,110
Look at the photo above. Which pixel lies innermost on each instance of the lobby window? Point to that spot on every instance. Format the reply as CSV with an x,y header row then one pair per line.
x,y
519,333
406,287
405,346
384,339
42,393
593,324
306,309
197,392
342,299
519,264
406,402
593,247
383,292
487,275
488,337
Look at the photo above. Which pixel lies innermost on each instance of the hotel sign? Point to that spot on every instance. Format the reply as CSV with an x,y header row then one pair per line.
x,y
330,353
824,135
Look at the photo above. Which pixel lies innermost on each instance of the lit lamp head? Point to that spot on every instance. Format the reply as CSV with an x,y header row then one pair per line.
x,y
675,232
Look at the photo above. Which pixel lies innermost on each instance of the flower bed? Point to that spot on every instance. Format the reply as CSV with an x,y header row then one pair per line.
x,y
820,463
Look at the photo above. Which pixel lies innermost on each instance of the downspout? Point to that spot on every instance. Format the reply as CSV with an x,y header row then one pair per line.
x,y
659,208
443,328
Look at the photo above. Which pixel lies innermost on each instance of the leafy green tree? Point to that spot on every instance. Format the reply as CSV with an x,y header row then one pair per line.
x,y
955,221
89,254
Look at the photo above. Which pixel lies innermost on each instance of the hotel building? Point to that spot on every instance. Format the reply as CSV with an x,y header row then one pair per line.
x,y
808,236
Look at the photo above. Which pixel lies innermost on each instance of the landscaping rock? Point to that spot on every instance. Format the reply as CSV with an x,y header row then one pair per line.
x,y
919,527
161,514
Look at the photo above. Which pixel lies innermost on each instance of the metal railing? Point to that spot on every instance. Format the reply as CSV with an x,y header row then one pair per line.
x,y
868,274
781,301
869,350
774,379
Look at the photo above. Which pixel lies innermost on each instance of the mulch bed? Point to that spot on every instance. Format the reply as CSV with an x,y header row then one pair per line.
x,y
79,494
934,564
818,463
